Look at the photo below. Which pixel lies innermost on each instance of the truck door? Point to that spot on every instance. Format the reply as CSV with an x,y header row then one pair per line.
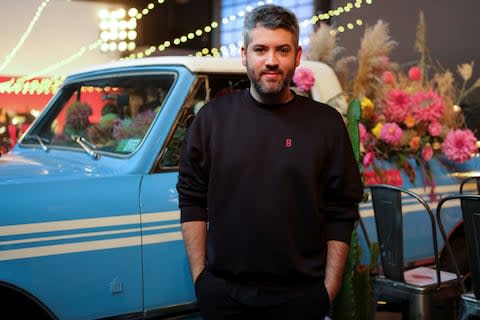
x,y
167,279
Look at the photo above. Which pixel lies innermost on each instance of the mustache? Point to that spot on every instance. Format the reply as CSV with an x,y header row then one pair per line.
x,y
271,69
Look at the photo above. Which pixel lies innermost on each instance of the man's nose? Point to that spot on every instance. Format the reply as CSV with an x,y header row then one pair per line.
x,y
271,58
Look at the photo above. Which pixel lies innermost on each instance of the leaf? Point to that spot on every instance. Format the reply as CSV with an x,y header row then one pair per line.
x,y
353,116
343,305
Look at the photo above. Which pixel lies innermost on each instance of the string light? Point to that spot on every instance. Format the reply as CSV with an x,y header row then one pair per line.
x,y
19,83
118,29
65,61
197,33
233,49
36,86
141,13
20,43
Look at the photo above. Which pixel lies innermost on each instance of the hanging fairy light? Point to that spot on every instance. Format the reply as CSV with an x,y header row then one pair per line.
x,y
230,50
233,49
20,43
33,86
118,29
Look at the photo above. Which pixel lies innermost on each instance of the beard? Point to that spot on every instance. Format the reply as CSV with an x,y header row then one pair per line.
x,y
270,88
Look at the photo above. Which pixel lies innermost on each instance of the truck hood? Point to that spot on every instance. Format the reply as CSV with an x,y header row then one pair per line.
x,y
37,164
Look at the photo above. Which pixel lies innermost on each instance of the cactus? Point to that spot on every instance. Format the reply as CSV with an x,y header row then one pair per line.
x,y
355,297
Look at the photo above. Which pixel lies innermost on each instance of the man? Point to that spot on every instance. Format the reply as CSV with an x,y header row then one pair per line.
x,y
274,176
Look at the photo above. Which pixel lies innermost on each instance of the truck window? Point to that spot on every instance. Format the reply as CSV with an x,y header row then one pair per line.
x,y
205,89
110,115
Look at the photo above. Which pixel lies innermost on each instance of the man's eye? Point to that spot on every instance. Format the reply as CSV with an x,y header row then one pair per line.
x,y
258,50
285,50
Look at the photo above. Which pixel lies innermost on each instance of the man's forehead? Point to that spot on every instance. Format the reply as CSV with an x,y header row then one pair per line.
x,y
266,36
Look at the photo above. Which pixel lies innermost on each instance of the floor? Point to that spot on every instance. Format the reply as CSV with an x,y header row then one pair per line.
x,y
382,315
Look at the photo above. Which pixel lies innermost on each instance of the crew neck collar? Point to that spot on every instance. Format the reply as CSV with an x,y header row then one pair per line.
x,y
270,106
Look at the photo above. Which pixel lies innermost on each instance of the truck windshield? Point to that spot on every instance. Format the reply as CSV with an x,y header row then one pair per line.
x,y
113,114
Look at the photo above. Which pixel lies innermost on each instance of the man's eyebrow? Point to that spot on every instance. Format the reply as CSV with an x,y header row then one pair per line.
x,y
277,46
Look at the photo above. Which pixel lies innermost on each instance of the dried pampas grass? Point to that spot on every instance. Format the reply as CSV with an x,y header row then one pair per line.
x,y
343,70
375,47
323,45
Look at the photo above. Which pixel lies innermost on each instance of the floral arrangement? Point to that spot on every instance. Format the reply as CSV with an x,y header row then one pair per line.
x,y
137,127
113,129
409,114
77,120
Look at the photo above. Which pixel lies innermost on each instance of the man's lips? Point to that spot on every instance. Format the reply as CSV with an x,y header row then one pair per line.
x,y
271,74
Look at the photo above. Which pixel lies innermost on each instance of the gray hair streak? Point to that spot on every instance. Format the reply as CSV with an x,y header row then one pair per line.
x,y
270,16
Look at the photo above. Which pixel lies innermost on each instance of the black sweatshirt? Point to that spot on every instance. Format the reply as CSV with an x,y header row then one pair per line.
x,y
275,182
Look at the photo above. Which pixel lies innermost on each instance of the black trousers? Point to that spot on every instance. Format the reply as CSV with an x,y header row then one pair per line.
x,y
223,299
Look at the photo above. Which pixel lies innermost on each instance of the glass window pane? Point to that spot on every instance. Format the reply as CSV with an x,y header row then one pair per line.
x,y
231,32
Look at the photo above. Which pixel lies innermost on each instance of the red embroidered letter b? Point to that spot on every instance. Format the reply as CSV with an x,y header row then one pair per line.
x,y
288,143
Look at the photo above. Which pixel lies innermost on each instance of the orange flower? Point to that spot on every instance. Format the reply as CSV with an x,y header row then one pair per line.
x,y
409,121
414,143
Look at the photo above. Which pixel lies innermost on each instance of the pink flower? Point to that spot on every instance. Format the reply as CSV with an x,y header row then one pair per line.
x,y
369,158
391,133
415,73
304,79
435,128
362,132
427,152
385,60
396,105
459,145
388,77
427,106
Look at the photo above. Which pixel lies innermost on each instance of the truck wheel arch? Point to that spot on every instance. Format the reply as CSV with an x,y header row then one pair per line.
x,y
17,303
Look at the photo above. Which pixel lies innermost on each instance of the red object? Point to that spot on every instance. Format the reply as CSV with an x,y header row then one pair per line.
x,y
388,77
390,176
415,73
12,132
22,102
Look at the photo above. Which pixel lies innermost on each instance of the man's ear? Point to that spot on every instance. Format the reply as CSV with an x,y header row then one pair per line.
x,y
298,56
244,56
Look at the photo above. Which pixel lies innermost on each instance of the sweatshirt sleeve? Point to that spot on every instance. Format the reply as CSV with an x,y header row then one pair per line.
x,y
344,189
192,182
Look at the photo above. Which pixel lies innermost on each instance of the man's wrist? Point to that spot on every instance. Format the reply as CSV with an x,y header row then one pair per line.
x,y
196,272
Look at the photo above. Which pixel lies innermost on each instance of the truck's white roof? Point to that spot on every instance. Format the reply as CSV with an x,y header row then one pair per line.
x,y
326,88
194,64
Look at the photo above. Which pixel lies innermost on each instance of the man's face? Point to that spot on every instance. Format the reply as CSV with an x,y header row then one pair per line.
x,y
271,58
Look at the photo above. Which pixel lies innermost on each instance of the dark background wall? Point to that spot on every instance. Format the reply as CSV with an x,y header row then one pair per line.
x,y
453,28
177,18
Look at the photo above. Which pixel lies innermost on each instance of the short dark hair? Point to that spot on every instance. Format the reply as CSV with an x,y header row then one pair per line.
x,y
270,16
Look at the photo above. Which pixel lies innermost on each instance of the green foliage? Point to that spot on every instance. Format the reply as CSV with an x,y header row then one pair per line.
x,y
353,117
355,297
343,305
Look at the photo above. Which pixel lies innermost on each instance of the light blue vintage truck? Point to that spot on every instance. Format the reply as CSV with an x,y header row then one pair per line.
x,y
89,223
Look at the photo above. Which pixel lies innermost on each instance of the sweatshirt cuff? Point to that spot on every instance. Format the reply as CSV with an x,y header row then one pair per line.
x,y
193,214
340,231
